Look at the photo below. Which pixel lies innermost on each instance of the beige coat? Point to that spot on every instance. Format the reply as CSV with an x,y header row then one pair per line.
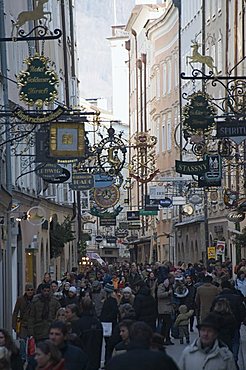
x,y
164,300
205,295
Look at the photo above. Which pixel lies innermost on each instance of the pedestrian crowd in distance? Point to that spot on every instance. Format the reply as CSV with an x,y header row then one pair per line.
x,y
135,311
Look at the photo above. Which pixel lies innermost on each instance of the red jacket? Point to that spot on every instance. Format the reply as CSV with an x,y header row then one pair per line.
x,y
59,366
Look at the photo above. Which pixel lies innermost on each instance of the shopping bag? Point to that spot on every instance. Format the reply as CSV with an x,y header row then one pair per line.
x,y
107,329
31,346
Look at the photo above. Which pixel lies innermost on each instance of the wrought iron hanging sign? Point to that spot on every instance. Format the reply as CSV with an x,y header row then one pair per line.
x,y
67,140
107,197
38,83
198,113
111,153
191,168
143,163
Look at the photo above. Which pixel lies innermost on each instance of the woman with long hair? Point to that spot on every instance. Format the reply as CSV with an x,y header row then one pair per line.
x,y
7,342
48,356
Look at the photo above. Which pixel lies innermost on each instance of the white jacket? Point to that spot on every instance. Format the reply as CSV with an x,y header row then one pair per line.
x,y
218,358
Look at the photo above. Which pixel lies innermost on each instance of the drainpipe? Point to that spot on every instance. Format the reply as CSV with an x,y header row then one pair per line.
x,y
64,41
136,100
128,48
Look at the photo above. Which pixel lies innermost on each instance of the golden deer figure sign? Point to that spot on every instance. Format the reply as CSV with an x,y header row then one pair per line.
x,y
196,57
33,15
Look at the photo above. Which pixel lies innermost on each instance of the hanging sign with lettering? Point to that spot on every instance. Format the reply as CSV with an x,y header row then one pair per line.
x,y
235,130
191,168
38,82
82,181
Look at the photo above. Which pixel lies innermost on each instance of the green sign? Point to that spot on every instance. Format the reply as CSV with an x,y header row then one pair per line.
x,y
142,212
191,168
38,82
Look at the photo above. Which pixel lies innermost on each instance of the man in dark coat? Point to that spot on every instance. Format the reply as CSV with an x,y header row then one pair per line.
x,y
43,312
144,304
75,358
235,299
139,356
22,311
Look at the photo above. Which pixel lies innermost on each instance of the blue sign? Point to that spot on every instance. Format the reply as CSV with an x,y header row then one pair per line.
x,y
103,180
166,202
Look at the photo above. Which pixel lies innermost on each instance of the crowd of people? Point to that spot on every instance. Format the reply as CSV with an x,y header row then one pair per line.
x,y
135,311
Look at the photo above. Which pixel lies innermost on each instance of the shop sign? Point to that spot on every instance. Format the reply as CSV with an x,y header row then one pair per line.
x,y
191,168
38,119
144,212
132,215
111,239
103,180
38,83
214,172
49,171
220,247
156,192
235,216
234,130
211,253
82,181
165,203
67,140
98,239
65,175
107,221
121,233
134,226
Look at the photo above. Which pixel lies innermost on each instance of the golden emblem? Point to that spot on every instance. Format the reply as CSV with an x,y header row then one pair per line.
x,y
196,57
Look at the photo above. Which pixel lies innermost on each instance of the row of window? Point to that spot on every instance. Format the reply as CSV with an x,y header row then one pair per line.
x,y
164,131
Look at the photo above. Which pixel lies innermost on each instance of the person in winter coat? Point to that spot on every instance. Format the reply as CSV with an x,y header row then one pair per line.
x,y
144,304
74,357
72,297
139,355
205,295
206,352
189,300
127,296
6,341
227,320
43,312
165,309
46,280
22,311
182,322
122,346
235,299
90,331
109,314
48,356
240,283
98,296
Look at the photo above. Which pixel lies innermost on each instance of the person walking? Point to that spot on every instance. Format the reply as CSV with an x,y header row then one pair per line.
x,y
22,311
48,356
182,322
43,312
13,353
165,309
205,296
139,355
207,352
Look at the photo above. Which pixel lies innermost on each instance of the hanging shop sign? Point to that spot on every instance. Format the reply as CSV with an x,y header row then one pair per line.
x,y
63,177
132,215
49,171
198,113
230,198
157,192
166,202
191,168
67,140
121,233
111,239
98,239
42,152
107,222
134,226
148,212
38,118
211,253
36,215
220,247
38,83
235,216
234,130
105,214
82,181
214,171
107,197
103,180
242,204
195,199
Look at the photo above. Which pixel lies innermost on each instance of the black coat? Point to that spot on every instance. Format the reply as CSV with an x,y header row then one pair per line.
x,y
141,359
145,307
110,311
75,358
236,303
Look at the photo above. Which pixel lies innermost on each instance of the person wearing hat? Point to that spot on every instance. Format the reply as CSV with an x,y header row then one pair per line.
x,y
22,311
72,297
109,314
127,296
207,352
97,295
